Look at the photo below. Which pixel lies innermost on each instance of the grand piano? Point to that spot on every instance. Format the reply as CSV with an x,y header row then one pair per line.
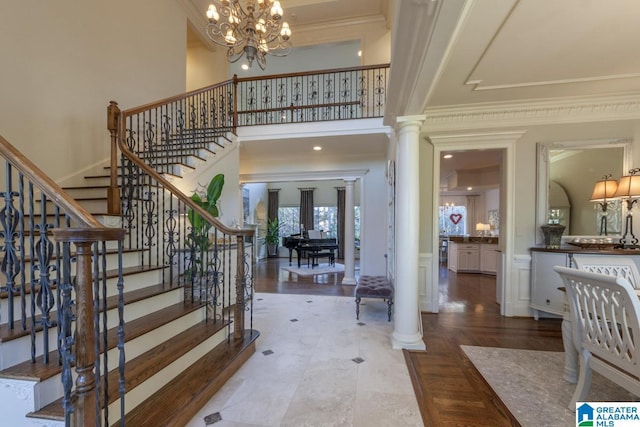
x,y
310,248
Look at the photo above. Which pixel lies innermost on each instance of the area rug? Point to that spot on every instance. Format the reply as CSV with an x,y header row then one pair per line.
x,y
530,384
319,269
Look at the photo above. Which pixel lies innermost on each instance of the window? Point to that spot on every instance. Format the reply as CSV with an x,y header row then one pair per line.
x,y
452,220
289,218
325,218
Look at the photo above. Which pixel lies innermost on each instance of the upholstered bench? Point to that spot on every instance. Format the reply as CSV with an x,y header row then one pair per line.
x,y
314,256
374,287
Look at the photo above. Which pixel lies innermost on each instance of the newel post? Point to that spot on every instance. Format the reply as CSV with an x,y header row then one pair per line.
x,y
238,312
113,193
85,411
85,399
235,103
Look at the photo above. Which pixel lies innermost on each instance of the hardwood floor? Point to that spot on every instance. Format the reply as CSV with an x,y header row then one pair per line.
x,y
450,391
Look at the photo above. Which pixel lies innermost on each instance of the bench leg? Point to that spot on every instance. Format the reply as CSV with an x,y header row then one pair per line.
x,y
389,304
357,308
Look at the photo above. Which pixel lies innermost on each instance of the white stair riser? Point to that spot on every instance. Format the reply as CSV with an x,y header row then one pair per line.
x,y
50,390
139,394
19,396
18,350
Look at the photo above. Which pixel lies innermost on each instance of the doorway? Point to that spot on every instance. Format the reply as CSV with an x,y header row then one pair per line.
x,y
504,143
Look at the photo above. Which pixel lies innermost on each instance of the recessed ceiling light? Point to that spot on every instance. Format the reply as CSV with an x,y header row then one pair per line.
x,y
359,53
447,156
469,188
245,67
317,148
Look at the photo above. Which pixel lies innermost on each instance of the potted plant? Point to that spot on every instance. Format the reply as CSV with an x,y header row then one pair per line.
x,y
198,238
272,237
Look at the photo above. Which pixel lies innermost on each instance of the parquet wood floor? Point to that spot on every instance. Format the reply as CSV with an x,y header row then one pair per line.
x,y
450,391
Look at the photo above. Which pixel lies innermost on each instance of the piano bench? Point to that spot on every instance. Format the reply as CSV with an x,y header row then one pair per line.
x,y
374,287
313,257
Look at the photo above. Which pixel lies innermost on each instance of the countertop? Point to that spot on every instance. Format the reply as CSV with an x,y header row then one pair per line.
x,y
473,239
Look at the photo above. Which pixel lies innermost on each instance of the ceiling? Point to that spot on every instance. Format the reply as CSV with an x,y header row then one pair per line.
x,y
492,52
302,13
512,50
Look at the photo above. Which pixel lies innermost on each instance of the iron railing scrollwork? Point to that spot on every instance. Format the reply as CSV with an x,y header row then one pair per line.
x,y
340,94
154,211
52,290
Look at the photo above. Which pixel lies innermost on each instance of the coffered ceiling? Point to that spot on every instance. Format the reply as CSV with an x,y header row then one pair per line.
x,y
530,49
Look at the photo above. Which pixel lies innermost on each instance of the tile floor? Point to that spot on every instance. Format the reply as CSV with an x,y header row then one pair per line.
x,y
316,365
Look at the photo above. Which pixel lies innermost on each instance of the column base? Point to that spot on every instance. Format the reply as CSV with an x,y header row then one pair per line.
x,y
348,281
409,342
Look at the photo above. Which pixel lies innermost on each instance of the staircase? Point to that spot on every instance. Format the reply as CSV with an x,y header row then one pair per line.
x,y
159,316
177,354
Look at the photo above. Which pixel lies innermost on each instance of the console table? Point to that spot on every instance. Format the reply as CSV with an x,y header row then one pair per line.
x,y
548,295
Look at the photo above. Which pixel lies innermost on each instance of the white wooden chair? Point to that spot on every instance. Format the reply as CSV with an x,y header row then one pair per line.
x,y
618,266
605,326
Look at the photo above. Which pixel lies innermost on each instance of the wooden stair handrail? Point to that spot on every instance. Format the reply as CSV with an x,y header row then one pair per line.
x,y
48,186
312,73
236,80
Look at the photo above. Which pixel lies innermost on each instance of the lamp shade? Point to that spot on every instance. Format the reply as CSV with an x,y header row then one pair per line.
x,y
603,189
629,186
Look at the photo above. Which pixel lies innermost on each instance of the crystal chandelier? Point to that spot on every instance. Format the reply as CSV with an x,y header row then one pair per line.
x,y
255,31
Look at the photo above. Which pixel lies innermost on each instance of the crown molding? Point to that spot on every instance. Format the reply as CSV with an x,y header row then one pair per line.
x,y
196,19
528,113
477,84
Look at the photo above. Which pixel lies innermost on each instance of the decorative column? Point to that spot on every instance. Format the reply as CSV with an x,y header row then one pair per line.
x,y
406,333
349,234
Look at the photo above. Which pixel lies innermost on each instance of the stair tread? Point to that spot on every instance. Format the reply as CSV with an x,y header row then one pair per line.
x,y
27,258
7,335
146,365
178,401
110,274
39,371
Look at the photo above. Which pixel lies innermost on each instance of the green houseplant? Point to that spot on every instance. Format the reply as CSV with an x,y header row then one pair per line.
x,y
198,238
272,236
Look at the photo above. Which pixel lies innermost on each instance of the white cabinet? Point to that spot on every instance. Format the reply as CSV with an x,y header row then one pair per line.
x,y
545,295
464,257
452,256
473,257
469,257
488,258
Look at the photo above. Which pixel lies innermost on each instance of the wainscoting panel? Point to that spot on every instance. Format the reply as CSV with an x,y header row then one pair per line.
x,y
427,301
521,274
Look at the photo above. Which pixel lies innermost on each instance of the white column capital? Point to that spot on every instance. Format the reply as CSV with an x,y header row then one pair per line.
x,y
406,124
405,120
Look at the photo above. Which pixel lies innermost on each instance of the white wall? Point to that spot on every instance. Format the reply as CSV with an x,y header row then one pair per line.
x,y
205,67
63,61
305,58
374,36
226,162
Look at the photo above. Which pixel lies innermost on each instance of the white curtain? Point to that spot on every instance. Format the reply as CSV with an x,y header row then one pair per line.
x,y
473,213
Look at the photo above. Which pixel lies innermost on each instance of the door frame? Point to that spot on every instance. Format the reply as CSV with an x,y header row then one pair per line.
x,y
506,141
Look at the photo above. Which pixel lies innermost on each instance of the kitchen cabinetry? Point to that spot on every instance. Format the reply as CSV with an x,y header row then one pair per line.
x,y
488,258
464,257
